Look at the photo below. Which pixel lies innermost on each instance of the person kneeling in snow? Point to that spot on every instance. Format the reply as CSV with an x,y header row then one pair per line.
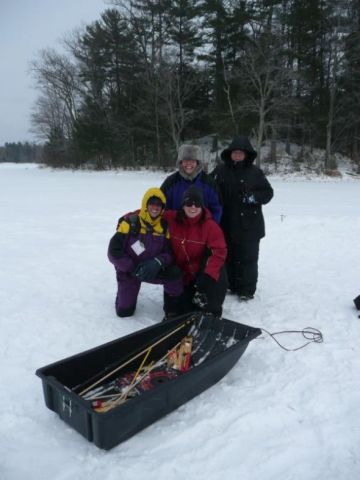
x,y
200,251
140,251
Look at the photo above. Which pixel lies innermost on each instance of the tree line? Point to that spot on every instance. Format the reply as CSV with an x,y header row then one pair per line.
x,y
21,152
150,74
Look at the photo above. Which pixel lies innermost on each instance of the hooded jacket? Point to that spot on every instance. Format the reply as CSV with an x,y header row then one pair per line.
x,y
197,243
236,182
130,246
240,142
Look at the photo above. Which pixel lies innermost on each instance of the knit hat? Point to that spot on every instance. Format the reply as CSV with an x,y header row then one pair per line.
x,y
193,196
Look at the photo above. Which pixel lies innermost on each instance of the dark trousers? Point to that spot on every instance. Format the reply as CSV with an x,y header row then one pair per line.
x,y
209,298
242,266
129,286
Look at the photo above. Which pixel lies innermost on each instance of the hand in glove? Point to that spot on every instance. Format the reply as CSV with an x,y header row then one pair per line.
x,y
202,281
246,196
249,199
146,271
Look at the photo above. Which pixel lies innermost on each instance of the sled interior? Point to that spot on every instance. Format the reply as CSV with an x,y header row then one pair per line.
x,y
220,345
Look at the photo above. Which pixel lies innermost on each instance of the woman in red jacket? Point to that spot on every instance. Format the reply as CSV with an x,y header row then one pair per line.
x,y
200,251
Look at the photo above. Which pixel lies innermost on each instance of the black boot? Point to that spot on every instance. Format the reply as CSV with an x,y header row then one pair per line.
x,y
171,307
245,297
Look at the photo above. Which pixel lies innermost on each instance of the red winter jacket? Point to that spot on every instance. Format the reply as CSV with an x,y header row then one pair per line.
x,y
196,241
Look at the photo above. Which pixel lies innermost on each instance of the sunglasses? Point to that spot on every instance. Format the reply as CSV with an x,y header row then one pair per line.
x,y
190,203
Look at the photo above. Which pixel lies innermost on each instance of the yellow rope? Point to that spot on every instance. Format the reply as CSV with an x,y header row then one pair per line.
x,y
136,374
135,357
113,403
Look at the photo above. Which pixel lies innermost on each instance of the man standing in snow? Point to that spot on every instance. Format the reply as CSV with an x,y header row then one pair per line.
x,y
244,189
140,251
190,172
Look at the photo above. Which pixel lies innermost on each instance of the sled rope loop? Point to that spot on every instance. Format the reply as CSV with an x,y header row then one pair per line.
x,y
313,335
136,356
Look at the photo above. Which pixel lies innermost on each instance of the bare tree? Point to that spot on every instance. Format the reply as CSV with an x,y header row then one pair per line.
x,y
49,114
227,90
335,67
263,75
147,23
329,163
55,72
175,92
57,79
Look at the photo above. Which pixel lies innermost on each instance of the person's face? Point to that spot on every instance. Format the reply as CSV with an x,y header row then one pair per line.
x,y
238,155
154,208
189,165
191,209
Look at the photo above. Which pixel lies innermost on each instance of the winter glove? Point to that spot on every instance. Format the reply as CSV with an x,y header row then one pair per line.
x,y
199,300
249,199
202,281
146,271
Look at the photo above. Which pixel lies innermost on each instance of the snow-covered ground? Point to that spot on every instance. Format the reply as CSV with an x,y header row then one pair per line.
x,y
276,415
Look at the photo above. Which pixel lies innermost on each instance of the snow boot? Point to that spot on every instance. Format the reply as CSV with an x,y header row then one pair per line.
x,y
171,307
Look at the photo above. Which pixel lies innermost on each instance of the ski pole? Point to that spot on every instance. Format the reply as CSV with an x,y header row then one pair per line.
x,y
136,356
123,397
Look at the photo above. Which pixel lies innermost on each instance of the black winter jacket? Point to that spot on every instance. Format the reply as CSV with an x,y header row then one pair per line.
x,y
237,181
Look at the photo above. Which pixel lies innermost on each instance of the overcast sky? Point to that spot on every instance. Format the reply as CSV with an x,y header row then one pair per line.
x,y
27,26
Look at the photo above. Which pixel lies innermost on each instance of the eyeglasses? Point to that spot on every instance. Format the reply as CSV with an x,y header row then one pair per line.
x,y
189,203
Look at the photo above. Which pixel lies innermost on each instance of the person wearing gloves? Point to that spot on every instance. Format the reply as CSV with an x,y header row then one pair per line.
x,y
190,167
244,189
200,250
140,251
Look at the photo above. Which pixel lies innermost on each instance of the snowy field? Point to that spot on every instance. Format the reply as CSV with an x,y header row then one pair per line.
x,y
276,415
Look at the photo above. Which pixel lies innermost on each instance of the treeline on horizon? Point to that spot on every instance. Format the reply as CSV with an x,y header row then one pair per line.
x,y
21,152
151,74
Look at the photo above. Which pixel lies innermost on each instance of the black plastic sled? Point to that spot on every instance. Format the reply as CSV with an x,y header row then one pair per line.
x,y
113,391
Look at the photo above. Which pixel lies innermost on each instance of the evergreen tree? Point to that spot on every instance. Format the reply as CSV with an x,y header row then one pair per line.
x,y
110,71
151,73
215,25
